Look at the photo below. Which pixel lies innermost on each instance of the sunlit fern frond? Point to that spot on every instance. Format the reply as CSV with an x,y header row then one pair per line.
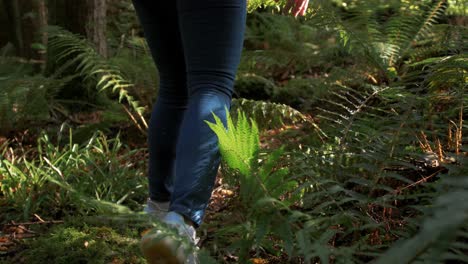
x,y
345,106
73,51
238,143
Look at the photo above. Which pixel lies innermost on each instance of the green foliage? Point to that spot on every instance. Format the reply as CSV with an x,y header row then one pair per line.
x,y
303,94
261,182
69,178
268,115
254,87
387,44
276,43
447,73
387,83
238,144
239,147
72,51
457,7
440,239
360,189
138,67
253,5
25,99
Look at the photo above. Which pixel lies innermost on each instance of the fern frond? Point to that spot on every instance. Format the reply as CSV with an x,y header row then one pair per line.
x,y
72,50
449,72
406,29
269,115
349,106
238,144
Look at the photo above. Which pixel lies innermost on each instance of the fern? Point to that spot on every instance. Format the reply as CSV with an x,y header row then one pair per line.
x,y
268,114
444,224
406,29
355,177
239,145
72,51
447,72
348,105
275,44
262,182
136,62
384,44
27,101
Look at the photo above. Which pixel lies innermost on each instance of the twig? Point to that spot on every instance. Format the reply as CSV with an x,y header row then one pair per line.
x,y
36,223
418,182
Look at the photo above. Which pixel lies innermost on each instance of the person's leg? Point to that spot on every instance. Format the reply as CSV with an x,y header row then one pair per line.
x,y
212,35
160,25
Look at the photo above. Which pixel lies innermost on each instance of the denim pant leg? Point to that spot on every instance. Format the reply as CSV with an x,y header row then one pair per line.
x,y
196,46
212,34
159,20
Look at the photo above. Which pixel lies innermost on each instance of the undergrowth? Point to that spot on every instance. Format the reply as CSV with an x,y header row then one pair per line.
x,y
378,176
61,177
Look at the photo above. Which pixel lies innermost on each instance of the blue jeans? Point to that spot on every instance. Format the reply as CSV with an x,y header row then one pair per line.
x,y
196,46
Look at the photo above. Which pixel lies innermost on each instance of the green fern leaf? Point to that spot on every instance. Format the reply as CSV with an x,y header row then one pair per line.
x,y
238,144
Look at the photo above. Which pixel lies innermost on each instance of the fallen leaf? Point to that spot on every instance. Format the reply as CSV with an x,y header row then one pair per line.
x,y
259,261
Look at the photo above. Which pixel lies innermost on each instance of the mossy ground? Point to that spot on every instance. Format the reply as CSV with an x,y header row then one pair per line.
x,y
75,242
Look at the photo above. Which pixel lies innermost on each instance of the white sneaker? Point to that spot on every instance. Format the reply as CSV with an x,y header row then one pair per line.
x,y
177,245
156,209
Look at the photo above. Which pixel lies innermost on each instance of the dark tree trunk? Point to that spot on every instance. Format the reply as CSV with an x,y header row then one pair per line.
x,y
96,28
29,28
26,19
15,29
87,18
43,22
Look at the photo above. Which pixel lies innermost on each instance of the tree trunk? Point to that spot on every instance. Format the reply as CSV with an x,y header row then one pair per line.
x,y
42,19
87,18
26,19
15,29
96,28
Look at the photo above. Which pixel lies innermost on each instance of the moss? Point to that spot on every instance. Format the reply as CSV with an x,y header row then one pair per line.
x,y
83,245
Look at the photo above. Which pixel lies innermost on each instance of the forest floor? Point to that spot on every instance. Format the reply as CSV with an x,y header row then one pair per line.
x,y
110,239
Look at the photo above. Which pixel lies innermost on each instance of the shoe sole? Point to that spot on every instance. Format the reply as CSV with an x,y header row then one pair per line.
x,y
161,251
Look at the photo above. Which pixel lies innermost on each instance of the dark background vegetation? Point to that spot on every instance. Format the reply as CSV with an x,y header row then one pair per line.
x,y
360,107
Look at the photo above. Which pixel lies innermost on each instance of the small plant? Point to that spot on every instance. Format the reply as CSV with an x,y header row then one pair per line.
x,y
265,185
239,146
